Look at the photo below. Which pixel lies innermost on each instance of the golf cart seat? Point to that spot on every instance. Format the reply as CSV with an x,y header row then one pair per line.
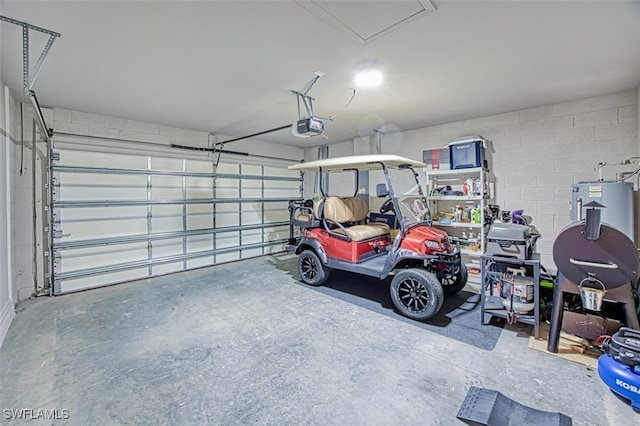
x,y
347,217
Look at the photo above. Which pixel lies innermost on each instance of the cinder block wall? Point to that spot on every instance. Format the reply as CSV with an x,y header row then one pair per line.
x,y
156,138
539,153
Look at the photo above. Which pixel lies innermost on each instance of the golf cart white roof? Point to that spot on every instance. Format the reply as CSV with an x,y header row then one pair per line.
x,y
360,162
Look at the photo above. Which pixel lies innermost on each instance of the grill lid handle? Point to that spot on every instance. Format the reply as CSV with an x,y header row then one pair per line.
x,y
608,265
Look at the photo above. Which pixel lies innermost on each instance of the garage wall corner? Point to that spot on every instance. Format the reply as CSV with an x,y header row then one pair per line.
x,y
7,308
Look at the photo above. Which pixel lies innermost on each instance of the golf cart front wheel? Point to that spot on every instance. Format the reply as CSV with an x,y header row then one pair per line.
x,y
416,293
453,283
311,269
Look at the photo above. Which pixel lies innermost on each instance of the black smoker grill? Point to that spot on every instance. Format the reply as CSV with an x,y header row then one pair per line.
x,y
593,255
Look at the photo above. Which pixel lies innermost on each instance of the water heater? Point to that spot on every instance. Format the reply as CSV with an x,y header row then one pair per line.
x,y
617,197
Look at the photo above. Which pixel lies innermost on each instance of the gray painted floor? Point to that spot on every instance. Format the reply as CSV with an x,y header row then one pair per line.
x,y
243,343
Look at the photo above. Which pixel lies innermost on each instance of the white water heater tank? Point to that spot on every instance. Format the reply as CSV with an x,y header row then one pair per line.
x,y
616,197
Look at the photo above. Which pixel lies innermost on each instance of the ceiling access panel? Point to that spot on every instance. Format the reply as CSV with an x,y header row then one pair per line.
x,y
120,217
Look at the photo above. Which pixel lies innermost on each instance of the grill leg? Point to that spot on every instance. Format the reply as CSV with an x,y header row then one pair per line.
x,y
556,316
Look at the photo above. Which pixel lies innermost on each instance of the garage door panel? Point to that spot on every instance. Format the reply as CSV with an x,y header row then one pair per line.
x,y
166,223
114,180
100,280
74,260
199,166
199,188
280,172
227,257
167,268
101,193
255,252
274,234
253,236
276,216
166,218
166,248
283,184
102,213
199,243
227,188
251,192
273,249
251,169
194,209
227,240
199,221
251,217
280,193
227,219
110,227
101,160
199,262
228,168
102,229
166,187
163,163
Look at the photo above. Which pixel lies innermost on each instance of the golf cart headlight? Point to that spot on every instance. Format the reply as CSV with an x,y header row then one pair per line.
x,y
432,244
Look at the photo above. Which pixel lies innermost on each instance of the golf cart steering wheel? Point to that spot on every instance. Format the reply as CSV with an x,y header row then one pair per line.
x,y
386,206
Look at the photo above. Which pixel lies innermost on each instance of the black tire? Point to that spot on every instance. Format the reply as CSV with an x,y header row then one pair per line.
x,y
416,293
311,269
453,283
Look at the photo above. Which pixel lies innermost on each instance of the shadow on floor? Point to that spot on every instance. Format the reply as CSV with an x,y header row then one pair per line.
x,y
459,317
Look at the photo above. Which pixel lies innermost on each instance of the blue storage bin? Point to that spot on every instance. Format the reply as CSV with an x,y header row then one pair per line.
x,y
466,154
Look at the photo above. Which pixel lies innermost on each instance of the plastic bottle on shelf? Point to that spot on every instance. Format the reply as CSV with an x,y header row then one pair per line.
x,y
476,215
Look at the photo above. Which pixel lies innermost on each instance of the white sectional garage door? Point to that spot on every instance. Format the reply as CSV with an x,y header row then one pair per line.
x,y
123,217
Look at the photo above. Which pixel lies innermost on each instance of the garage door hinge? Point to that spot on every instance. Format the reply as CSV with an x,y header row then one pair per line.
x,y
54,155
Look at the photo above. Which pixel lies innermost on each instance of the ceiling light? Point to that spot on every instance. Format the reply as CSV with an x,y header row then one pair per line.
x,y
368,78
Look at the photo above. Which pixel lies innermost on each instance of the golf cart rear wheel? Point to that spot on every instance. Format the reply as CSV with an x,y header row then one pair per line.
x,y
453,283
311,269
416,293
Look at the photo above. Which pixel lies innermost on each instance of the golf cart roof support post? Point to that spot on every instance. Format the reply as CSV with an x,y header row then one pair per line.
x,y
355,194
394,200
320,183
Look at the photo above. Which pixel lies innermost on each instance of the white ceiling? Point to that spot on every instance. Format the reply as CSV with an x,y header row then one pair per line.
x,y
228,67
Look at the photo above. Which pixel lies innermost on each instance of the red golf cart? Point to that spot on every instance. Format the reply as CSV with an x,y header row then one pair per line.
x,y
338,233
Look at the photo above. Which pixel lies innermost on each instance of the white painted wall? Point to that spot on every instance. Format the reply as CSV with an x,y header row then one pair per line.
x,y
155,138
540,152
7,309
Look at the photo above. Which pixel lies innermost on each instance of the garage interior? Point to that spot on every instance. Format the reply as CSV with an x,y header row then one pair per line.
x,y
156,157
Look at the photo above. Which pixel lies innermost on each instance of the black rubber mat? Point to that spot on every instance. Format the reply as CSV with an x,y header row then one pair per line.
x,y
459,317
491,408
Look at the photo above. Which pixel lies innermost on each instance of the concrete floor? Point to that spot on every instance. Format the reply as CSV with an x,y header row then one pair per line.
x,y
245,343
